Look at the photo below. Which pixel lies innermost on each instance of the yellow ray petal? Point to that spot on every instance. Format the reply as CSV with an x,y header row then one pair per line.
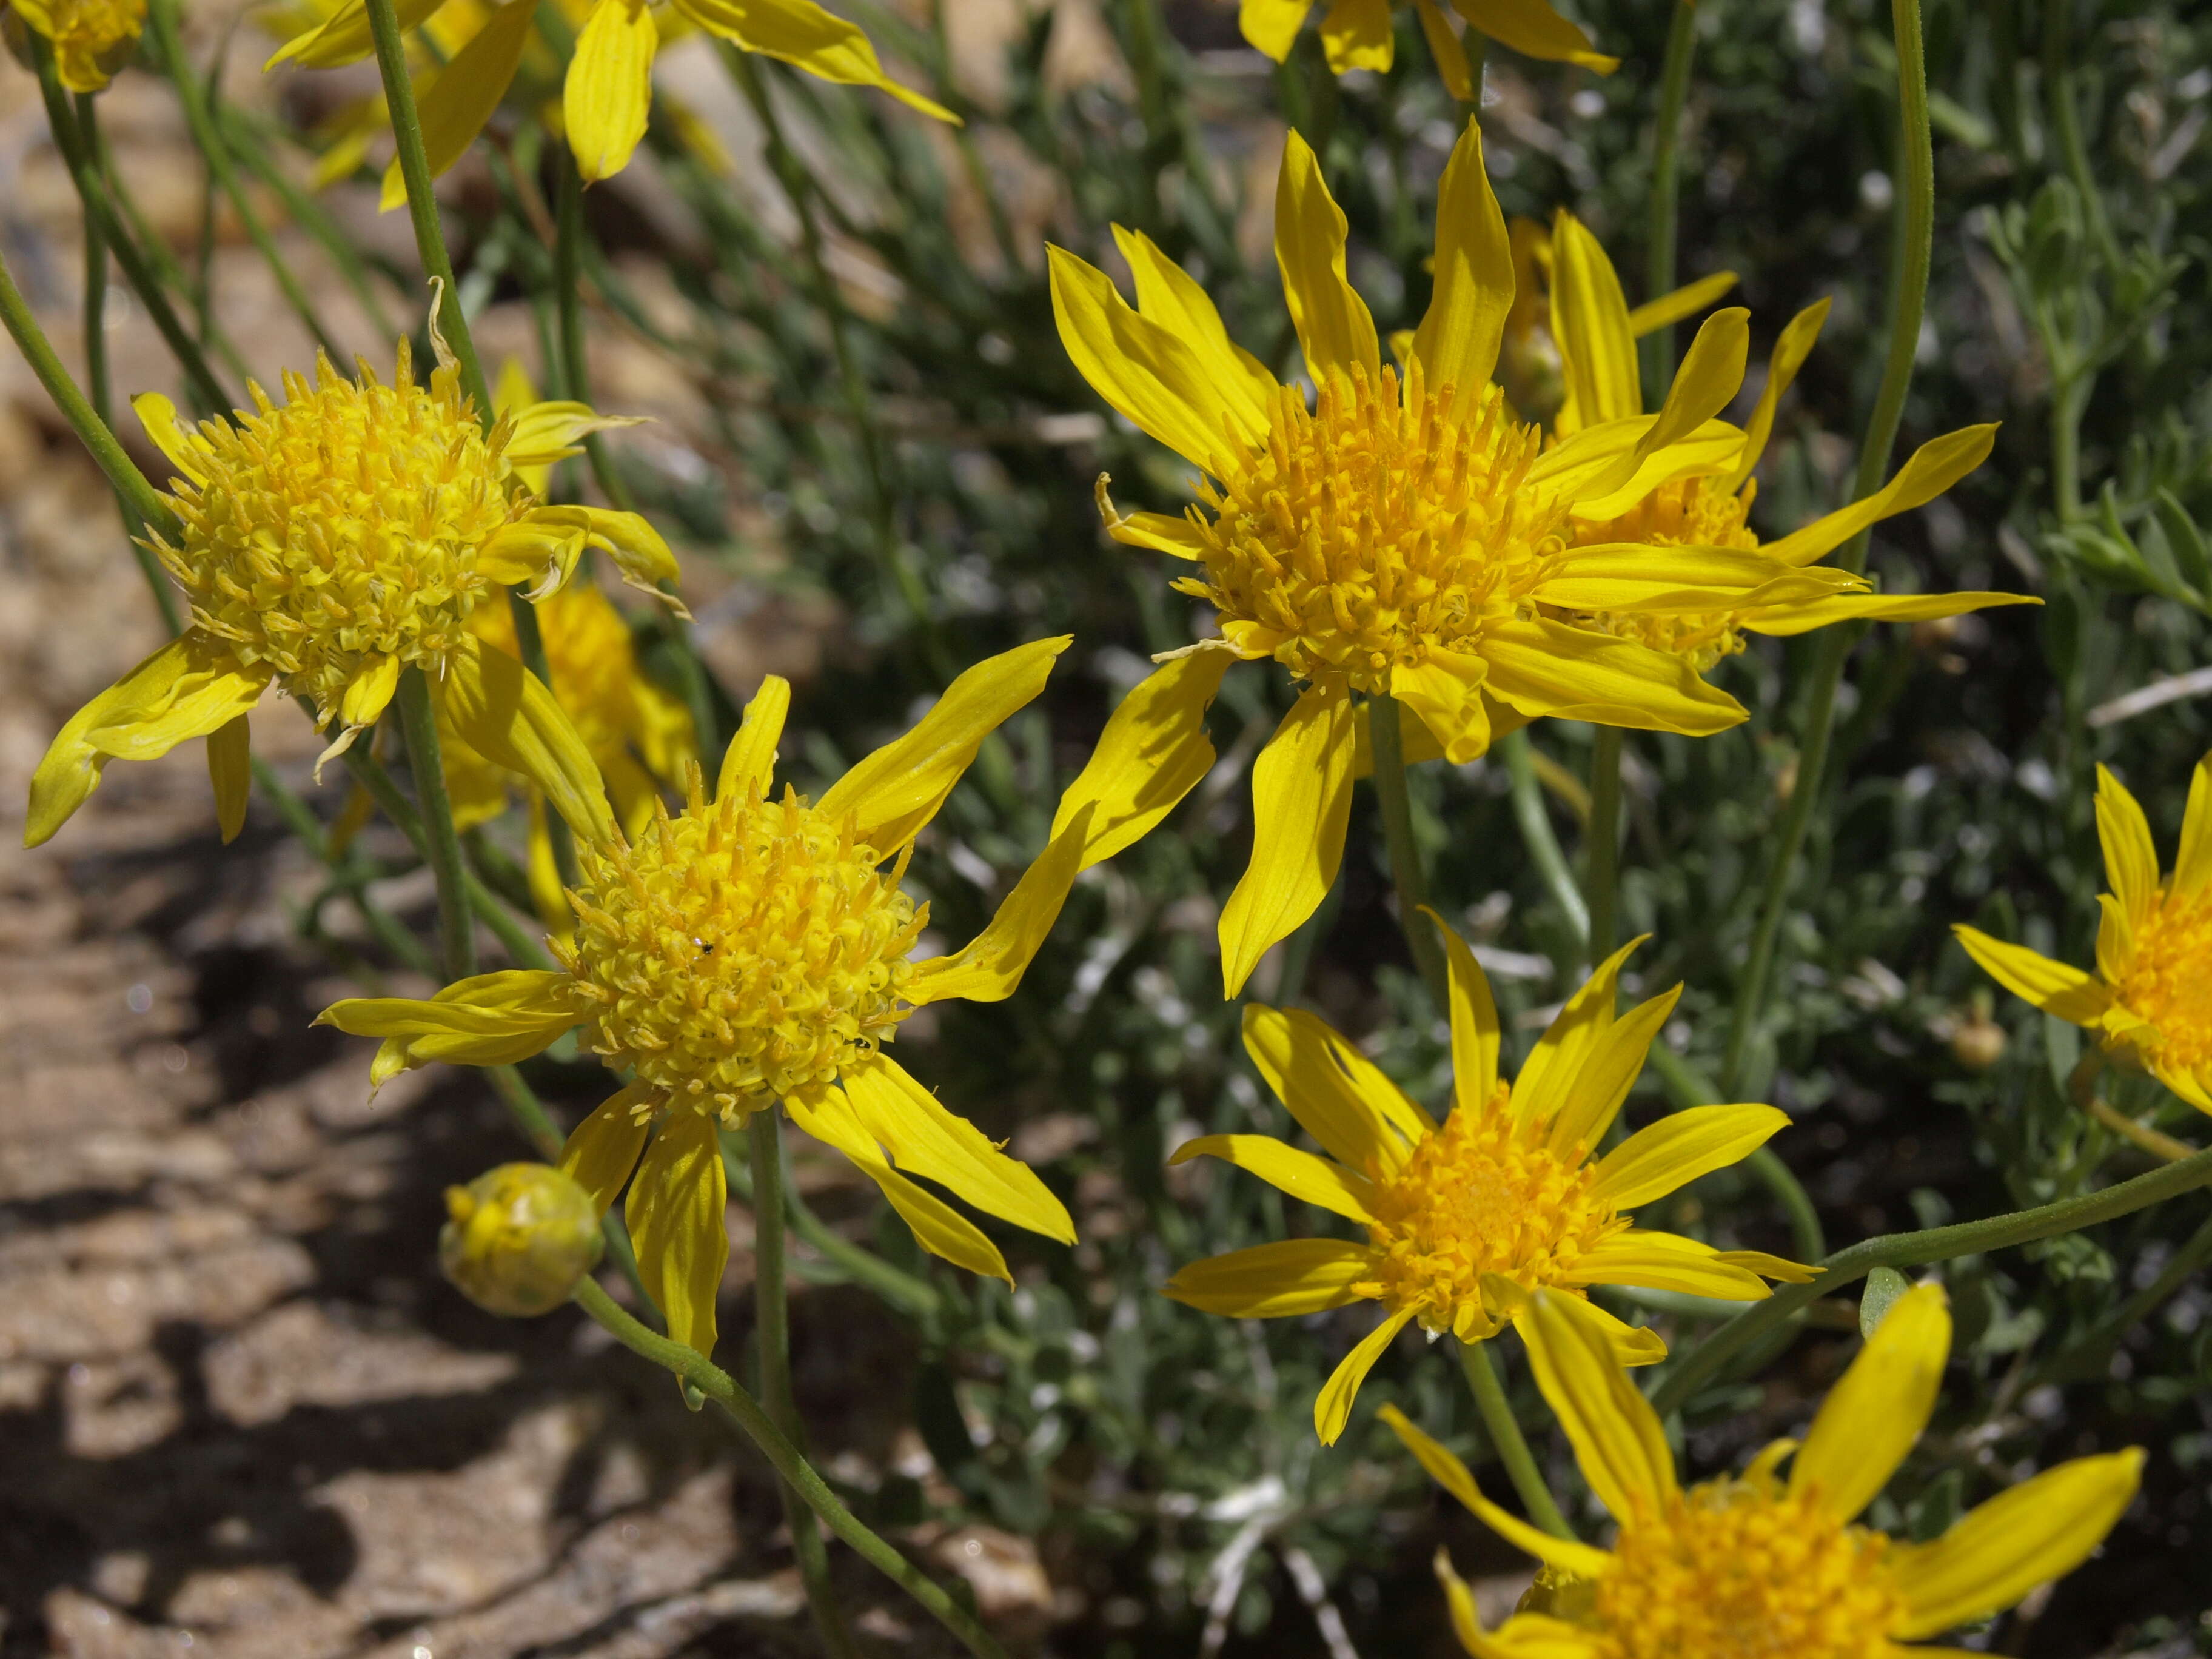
x,y
1542,667
641,558
748,764
1355,34
1791,351
371,691
892,793
546,432
1589,319
1334,327
1666,1261
344,38
1532,28
1445,690
675,1214
1151,754
1332,1405
1618,1440
1631,577
1171,296
2054,987
1301,801
802,33
1303,1061
1444,1467
1684,302
937,1226
504,711
2192,866
1474,1030
192,687
925,1139
1452,67
1303,1175
1632,1345
2039,1530
1802,616
1655,1160
487,1019
607,97
1597,1089
1542,1089
185,449
601,1152
466,92
1933,468
991,965
230,770
1270,25
1458,339
1144,370
1273,1281
1877,1409
2130,856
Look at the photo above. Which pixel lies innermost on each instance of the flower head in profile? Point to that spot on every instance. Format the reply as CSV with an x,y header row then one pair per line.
x,y
1467,1219
1709,505
328,544
1764,1563
90,38
1402,535
607,94
751,949
2149,1001
1357,35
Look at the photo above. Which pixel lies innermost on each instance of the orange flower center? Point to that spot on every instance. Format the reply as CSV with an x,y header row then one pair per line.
x,y
2168,983
1685,513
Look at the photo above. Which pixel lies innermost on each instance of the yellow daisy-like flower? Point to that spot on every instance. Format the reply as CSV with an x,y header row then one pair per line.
x,y
1402,535
330,542
1467,1219
753,949
2150,1000
1357,34
608,95
1762,1564
90,38
1711,505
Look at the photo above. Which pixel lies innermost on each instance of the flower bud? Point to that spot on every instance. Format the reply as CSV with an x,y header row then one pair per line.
x,y
1977,1042
520,1237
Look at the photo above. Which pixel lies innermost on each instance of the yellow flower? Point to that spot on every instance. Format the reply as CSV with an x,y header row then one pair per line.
x,y
90,38
517,1238
1761,1565
1404,535
1596,334
2150,1000
753,949
1465,1221
1356,35
330,542
609,90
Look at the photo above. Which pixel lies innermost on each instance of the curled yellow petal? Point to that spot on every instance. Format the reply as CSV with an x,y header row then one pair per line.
x,y
1151,754
1444,1467
1332,1405
344,37
185,449
1684,302
1301,802
489,1019
1932,469
639,555
990,966
230,770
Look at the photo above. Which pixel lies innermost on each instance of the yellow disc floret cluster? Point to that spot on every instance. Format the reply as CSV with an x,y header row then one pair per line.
x,y
2165,985
1695,512
741,952
343,527
1481,1196
1736,1569
1375,527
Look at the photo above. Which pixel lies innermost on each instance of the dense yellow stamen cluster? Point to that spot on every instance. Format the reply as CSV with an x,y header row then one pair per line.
x,y
1481,1197
1374,527
2165,985
343,527
1685,513
741,952
1735,1569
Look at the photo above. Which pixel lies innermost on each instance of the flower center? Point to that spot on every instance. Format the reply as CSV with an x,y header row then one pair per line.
x,y
2166,984
1685,513
1736,1570
741,952
1375,526
342,527
1479,1197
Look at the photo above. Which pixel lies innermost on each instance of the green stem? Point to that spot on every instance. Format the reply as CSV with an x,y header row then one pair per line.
x,y
95,296
441,846
910,1295
1536,836
1915,240
1386,731
1660,234
772,1332
1917,1250
2066,126
246,143
169,48
1603,840
1689,1088
568,297
717,1385
1489,1391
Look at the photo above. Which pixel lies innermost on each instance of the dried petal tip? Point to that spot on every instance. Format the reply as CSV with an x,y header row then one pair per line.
x,y
520,1237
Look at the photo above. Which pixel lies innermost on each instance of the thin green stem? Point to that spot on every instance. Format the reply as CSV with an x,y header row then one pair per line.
x,y
246,142
772,1335
1691,1088
1916,229
1603,842
717,1385
1846,1267
95,295
910,1295
442,846
2066,126
1660,238
1489,1390
1537,835
1385,730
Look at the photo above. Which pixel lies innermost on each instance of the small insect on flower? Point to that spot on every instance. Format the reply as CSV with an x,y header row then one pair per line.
x,y
1357,34
90,38
517,1238
1404,535
1711,507
1759,1565
753,949
2150,1000
1467,1219
328,543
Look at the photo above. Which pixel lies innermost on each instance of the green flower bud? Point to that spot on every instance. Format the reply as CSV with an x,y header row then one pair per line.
x,y
520,1237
